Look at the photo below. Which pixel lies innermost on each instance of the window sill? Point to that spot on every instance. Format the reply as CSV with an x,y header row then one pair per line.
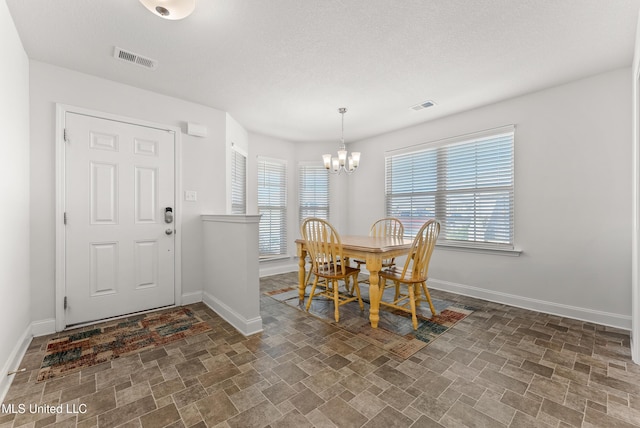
x,y
273,258
495,251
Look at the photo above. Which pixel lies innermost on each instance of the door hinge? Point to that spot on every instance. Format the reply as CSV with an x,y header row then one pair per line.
x,y
64,135
65,303
64,218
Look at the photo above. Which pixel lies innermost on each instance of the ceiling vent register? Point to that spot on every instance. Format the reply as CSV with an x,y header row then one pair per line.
x,y
134,58
423,105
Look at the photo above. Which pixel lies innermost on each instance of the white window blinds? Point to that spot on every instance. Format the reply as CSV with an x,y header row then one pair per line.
x,y
466,183
272,205
313,192
238,182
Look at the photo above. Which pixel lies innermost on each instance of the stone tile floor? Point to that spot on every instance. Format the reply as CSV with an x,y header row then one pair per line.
x,y
500,367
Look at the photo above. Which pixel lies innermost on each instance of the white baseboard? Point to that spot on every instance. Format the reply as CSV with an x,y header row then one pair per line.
x,y
190,298
245,326
43,327
583,314
13,361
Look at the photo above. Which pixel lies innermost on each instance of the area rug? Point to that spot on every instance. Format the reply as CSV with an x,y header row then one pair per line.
x,y
395,331
79,350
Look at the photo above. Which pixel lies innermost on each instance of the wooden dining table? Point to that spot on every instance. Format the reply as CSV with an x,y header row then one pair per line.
x,y
371,249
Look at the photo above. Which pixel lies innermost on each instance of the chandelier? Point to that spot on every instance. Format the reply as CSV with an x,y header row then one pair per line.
x,y
342,163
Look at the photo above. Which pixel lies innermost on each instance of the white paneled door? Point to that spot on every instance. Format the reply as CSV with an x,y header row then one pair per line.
x,y
119,203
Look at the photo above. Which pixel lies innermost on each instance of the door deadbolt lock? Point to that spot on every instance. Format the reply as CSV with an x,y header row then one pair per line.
x,y
168,215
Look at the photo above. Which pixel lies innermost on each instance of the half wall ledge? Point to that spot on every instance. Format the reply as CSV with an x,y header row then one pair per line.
x,y
231,273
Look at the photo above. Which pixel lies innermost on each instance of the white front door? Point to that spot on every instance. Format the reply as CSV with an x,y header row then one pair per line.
x,y
119,207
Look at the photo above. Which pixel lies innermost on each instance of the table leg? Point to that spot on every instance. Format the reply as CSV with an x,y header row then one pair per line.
x,y
302,258
374,264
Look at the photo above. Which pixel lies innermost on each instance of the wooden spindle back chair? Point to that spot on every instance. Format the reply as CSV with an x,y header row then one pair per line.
x,y
414,273
325,250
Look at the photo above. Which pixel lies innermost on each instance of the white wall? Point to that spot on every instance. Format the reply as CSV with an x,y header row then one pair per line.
x,y
203,162
14,215
635,197
572,200
236,134
236,137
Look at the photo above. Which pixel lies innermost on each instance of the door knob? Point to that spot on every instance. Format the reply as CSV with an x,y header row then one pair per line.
x,y
168,231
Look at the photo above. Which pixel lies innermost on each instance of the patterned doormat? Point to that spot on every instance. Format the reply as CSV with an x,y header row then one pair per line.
x,y
105,342
395,331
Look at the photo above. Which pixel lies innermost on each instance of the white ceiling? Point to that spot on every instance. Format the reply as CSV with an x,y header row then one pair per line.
x,y
283,67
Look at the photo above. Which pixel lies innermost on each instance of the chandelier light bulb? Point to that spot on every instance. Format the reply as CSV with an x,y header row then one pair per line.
x,y
327,160
342,157
356,159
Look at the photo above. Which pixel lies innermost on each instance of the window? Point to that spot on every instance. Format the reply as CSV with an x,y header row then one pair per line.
x,y
272,205
313,192
238,182
465,182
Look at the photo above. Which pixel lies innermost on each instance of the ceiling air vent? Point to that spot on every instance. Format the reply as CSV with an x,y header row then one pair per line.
x,y
134,58
423,105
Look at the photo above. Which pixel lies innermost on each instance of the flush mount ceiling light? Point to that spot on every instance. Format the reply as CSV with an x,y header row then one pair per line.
x,y
344,162
170,9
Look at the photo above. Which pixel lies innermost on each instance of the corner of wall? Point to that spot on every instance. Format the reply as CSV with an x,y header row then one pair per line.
x,y
245,326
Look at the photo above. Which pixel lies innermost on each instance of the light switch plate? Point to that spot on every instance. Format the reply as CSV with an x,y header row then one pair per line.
x,y
190,195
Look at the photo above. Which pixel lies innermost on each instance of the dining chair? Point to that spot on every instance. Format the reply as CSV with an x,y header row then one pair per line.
x,y
307,277
325,250
388,226
414,274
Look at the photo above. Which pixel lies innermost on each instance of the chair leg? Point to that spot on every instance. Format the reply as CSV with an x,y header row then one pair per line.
x,y
336,300
412,303
357,289
397,295
381,284
426,293
308,277
313,290
350,289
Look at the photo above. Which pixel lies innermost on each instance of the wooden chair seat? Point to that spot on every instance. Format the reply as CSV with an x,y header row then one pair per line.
x,y
320,262
335,271
395,273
